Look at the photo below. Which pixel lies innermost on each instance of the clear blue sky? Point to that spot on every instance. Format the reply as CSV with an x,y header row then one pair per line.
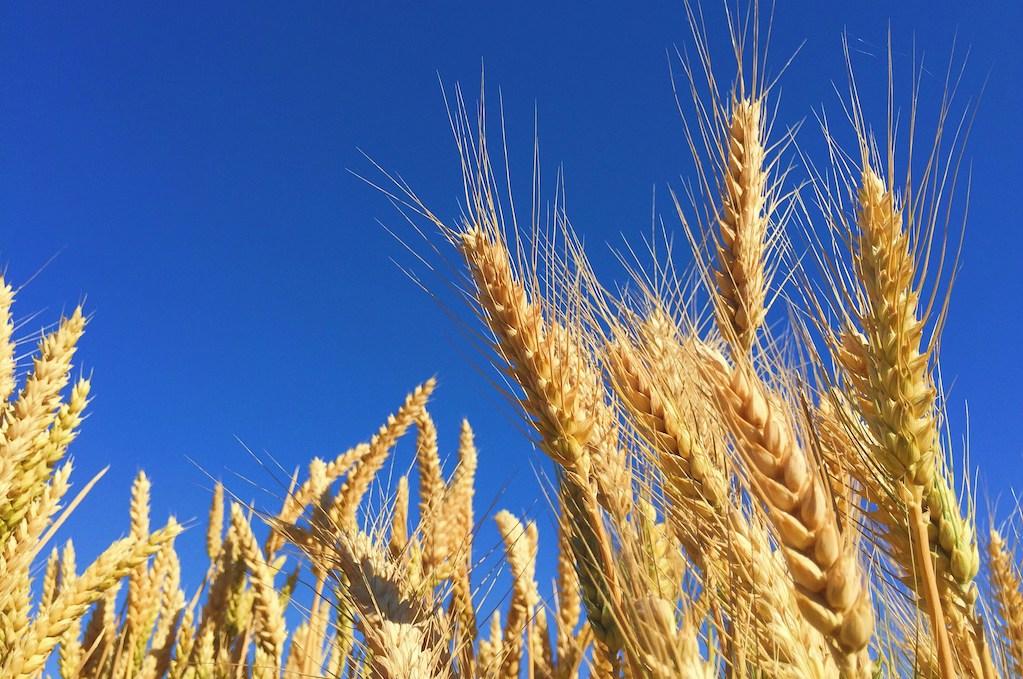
x,y
190,162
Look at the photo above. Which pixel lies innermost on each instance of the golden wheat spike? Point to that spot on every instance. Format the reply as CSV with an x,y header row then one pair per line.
x,y
1008,600
458,533
7,347
459,526
695,486
138,603
395,623
180,663
24,464
829,581
29,652
70,655
743,223
489,655
269,617
342,513
520,552
215,524
398,541
169,613
432,490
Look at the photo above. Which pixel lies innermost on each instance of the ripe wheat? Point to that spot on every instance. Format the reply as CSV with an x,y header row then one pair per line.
x,y
734,496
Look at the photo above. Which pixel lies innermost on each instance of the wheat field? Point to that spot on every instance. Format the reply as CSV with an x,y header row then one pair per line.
x,y
753,474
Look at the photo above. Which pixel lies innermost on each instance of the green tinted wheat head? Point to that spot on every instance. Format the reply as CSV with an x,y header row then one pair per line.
x,y
888,362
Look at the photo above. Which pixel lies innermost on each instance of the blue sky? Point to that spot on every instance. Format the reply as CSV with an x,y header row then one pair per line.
x,y
190,164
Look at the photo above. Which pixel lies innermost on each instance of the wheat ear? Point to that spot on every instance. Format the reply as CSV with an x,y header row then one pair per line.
x,y
69,657
544,363
7,346
744,220
270,628
29,653
398,541
1008,600
889,368
830,584
659,379
541,654
396,624
520,543
215,524
564,398
431,490
459,536
172,604
342,513
489,655
695,481
25,458
139,605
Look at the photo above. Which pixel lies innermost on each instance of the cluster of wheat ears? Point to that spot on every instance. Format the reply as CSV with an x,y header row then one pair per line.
x,y
734,498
